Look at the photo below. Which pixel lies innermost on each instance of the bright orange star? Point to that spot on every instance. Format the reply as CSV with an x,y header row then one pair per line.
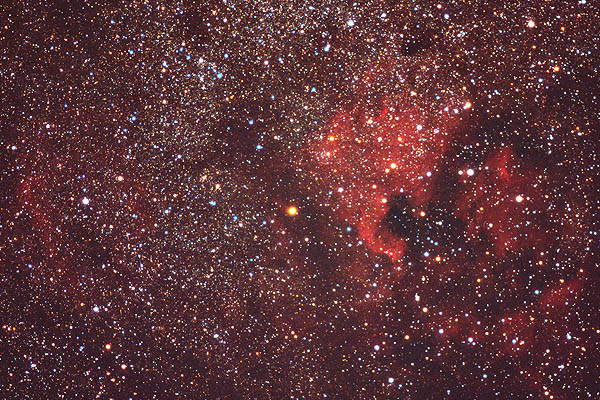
x,y
292,211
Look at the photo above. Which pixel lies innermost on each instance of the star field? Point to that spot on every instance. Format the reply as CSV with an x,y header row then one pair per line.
x,y
294,200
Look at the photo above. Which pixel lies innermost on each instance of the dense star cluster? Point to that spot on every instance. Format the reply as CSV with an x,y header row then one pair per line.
x,y
286,199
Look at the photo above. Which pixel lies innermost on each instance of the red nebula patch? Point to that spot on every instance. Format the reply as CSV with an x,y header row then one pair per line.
x,y
366,159
497,200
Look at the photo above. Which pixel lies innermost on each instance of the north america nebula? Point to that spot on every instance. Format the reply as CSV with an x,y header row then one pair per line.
x,y
294,200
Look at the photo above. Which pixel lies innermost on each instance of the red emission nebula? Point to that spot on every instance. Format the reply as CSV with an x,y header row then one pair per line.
x,y
395,175
370,158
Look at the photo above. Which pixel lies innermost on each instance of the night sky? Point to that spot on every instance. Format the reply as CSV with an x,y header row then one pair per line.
x,y
265,199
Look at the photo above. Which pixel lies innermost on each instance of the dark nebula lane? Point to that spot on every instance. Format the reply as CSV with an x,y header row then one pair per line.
x,y
293,200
